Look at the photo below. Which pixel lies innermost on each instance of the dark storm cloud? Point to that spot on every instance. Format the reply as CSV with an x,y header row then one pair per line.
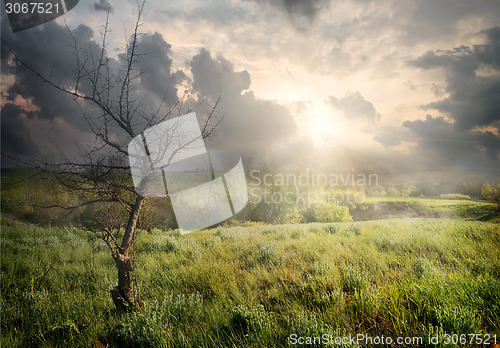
x,y
48,48
474,99
391,136
155,65
421,20
490,53
308,9
214,77
301,13
16,138
251,124
103,5
355,107
442,144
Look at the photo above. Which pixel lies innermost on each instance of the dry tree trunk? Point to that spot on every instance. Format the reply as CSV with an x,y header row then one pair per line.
x,y
124,295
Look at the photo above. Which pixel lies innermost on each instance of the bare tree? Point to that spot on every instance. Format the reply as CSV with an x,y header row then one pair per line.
x,y
117,115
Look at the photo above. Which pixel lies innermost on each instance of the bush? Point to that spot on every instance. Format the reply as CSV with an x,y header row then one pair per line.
x,y
491,192
293,217
332,212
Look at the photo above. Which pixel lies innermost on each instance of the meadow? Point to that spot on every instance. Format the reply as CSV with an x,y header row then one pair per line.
x,y
412,207
254,285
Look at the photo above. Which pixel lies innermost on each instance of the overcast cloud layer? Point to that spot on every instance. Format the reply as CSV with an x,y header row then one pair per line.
x,y
386,85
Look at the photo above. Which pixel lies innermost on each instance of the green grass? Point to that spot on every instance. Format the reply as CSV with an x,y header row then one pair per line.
x,y
253,286
398,207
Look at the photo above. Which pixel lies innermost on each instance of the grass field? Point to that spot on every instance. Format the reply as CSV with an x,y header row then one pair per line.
x,y
253,286
412,207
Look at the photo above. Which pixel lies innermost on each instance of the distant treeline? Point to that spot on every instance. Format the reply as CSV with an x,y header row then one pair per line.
x,y
40,199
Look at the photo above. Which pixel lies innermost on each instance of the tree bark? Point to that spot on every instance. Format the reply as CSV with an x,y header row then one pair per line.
x,y
131,225
124,295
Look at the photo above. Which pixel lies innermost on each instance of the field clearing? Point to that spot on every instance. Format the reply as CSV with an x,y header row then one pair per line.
x,y
413,207
431,202
253,286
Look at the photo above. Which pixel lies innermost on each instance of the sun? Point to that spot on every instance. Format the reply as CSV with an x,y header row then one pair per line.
x,y
321,124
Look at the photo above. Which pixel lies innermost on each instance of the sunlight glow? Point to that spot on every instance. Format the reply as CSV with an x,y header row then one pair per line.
x,y
322,124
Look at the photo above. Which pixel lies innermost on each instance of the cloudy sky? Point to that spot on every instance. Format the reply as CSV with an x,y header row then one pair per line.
x,y
383,85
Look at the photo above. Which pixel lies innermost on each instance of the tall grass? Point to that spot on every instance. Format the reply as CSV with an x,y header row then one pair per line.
x,y
253,286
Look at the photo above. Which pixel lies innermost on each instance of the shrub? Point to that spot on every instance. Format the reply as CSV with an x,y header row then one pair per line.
x,y
293,217
332,212
491,192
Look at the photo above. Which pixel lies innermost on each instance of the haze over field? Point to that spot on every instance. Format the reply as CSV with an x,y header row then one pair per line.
x,y
387,86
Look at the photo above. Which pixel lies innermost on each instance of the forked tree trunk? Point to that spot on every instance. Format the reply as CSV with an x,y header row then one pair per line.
x,y
124,295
